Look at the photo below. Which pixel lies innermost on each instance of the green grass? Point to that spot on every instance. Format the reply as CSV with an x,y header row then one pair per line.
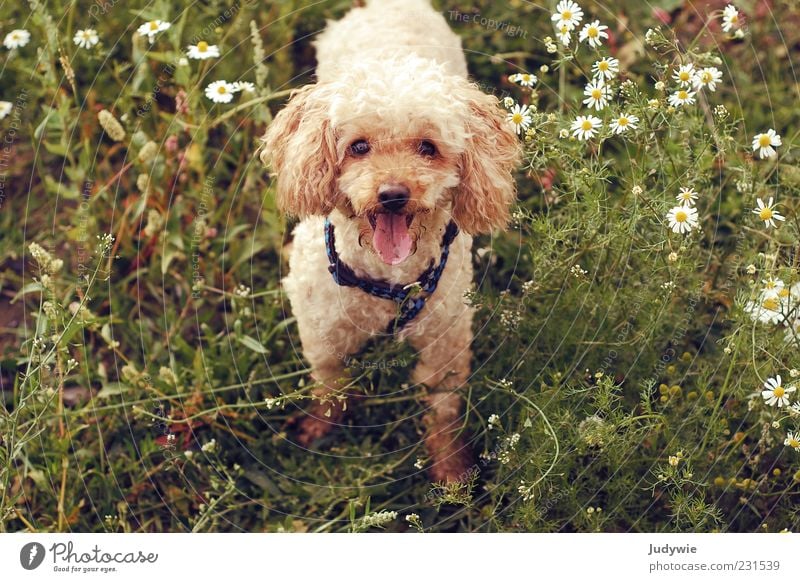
x,y
600,355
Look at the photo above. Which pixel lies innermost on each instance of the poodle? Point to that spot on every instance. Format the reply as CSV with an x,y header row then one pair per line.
x,y
392,161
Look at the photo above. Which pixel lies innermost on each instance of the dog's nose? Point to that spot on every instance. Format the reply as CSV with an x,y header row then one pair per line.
x,y
393,197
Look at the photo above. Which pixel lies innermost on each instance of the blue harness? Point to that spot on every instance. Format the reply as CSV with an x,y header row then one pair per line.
x,y
409,307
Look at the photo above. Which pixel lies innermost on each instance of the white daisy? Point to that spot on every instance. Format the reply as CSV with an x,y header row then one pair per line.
x,y
567,13
152,28
220,92
686,196
681,97
16,38
585,127
793,440
5,109
592,33
765,143
607,67
775,393
684,75
520,117
767,212
564,34
245,86
773,285
682,219
730,18
707,77
86,38
597,94
523,79
623,123
765,310
202,50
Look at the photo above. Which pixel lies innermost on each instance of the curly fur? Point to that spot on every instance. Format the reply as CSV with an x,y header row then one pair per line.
x,y
402,82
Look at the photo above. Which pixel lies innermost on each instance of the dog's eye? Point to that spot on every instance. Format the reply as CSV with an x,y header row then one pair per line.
x,y
426,148
359,147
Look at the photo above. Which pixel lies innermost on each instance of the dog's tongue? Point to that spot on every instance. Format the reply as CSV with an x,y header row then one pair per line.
x,y
391,238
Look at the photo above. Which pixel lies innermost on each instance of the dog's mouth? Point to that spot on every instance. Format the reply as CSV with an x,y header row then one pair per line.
x,y
391,238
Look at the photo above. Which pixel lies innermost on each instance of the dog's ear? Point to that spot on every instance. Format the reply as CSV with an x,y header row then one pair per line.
x,y
300,147
492,152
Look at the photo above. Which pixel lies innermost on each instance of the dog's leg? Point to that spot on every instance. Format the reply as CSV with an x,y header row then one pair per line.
x,y
444,367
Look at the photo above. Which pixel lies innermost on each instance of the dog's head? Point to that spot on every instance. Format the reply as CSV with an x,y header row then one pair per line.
x,y
388,143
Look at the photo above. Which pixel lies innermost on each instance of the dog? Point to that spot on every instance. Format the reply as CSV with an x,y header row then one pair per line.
x,y
392,161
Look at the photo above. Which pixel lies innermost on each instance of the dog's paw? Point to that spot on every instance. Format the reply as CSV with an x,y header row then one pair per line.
x,y
452,459
316,422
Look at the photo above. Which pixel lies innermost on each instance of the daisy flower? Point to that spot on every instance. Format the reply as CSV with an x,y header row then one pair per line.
x,y
220,92
202,50
592,33
623,123
245,86
86,38
792,440
520,117
5,109
523,79
607,67
681,97
773,285
686,196
765,143
707,77
564,35
684,75
774,392
682,219
730,18
568,14
152,28
766,310
597,94
585,126
767,212
16,39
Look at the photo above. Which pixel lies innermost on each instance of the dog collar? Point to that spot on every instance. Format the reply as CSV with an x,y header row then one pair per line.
x,y
409,306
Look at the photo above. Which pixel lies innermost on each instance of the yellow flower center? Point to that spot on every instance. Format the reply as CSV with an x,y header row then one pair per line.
x,y
566,15
516,118
706,77
622,121
684,75
153,25
602,66
681,216
526,78
784,293
779,392
202,46
564,29
586,125
592,32
764,140
683,95
735,18
596,93
765,214
770,303
794,443
222,89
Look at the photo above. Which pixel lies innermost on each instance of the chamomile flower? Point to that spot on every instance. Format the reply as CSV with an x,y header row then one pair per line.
x,y
220,92
5,109
730,18
152,28
523,79
593,33
202,50
585,127
773,285
245,86
597,94
775,393
564,34
764,144
767,212
707,77
681,97
16,39
765,310
567,13
86,38
520,117
607,67
623,123
682,219
793,440
684,75
686,196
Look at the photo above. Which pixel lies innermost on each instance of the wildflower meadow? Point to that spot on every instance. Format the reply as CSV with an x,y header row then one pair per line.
x,y
637,333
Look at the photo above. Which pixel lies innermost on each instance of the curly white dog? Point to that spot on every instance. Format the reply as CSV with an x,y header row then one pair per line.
x,y
392,160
